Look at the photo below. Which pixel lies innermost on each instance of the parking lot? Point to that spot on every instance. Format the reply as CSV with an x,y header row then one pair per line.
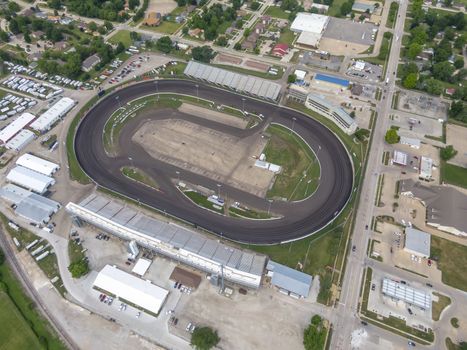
x,y
313,59
365,70
427,106
416,125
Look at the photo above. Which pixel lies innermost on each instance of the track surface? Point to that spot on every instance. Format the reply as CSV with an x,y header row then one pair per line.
x,y
299,218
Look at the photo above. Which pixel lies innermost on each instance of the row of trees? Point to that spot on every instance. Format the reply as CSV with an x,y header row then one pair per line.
x,y
109,10
212,19
24,25
314,336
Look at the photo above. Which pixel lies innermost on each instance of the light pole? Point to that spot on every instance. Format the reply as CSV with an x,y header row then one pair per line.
x,y
293,123
243,104
269,206
197,91
118,100
131,161
157,89
178,177
219,190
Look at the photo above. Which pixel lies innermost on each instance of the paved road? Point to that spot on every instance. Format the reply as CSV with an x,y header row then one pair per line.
x,y
300,218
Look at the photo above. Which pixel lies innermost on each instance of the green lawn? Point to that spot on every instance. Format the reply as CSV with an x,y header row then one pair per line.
x,y
335,8
300,170
122,36
178,10
248,213
201,200
287,37
75,251
15,332
139,176
277,12
393,9
452,261
453,174
439,306
167,27
25,321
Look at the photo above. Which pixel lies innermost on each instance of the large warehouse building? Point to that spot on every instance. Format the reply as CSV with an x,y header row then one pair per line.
x,y
171,240
417,242
238,82
30,179
311,27
131,289
7,133
53,114
37,164
340,117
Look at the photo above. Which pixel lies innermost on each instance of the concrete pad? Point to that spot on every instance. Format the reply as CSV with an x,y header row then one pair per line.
x,y
456,135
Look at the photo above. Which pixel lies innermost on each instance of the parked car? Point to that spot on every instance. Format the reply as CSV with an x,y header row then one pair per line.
x,y
411,343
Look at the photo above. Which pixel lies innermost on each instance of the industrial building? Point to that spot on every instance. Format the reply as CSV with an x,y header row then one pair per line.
x,y
128,288
7,133
53,114
311,27
426,165
409,141
411,296
29,205
30,179
289,281
171,240
20,140
238,82
340,117
37,164
417,242
308,40
445,205
141,267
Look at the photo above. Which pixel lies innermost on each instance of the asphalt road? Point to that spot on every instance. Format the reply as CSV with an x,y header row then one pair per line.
x,y
299,218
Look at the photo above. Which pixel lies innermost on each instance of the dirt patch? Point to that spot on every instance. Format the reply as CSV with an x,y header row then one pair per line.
x,y
221,58
341,48
215,116
263,67
211,153
164,7
457,136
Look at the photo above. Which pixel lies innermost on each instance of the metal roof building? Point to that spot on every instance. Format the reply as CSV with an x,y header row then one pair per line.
x,y
20,140
141,266
15,127
399,158
171,240
446,207
30,179
29,205
37,164
238,82
417,242
53,114
288,280
309,22
412,142
129,288
426,165
332,80
407,294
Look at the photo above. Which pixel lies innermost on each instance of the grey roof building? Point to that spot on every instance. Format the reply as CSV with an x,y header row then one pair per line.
x,y
238,82
31,206
289,281
90,62
417,242
446,207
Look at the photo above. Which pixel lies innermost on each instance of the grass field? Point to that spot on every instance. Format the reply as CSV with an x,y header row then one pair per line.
x,y
167,27
25,315
438,307
248,213
15,332
139,176
122,36
453,174
393,9
276,12
452,261
335,8
201,200
287,37
300,170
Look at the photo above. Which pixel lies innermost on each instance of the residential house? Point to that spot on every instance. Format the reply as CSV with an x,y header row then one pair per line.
x,y
260,28
61,45
280,50
90,62
196,33
153,19
266,20
37,34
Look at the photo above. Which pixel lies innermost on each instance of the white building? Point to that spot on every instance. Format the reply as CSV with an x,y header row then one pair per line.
x,y
53,114
340,117
15,127
309,40
171,240
417,242
409,295
30,179
399,158
129,288
20,140
426,165
37,164
309,22
141,267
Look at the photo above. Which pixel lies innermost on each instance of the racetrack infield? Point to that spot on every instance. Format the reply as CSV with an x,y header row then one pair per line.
x,y
299,218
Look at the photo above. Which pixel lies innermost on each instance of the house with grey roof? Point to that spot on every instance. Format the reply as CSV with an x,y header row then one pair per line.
x,y
90,62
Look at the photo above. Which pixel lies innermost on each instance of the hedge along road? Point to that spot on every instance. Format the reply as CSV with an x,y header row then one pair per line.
x,y
299,219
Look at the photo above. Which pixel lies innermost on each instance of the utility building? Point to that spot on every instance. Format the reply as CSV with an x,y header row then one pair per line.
x,y
37,164
7,133
53,114
289,281
417,242
30,179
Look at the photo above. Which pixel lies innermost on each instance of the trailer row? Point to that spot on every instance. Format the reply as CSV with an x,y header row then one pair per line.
x,y
41,90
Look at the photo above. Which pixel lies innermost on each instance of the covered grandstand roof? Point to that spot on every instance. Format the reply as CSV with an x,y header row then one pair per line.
x,y
242,83
405,293
176,236
130,288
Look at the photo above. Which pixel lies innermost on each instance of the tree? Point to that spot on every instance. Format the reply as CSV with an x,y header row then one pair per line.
x,y
4,36
14,27
92,26
291,78
314,335
443,51
255,5
78,268
447,153
410,81
237,46
108,25
181,3
414,50
459,63
391,136
13,6
458,111
27,37
135,36
2,257
222,41
204,338
203,53
132,4
418,35
120,48
433,86
443,71
352,114
362,134
346,8
361,18
460,41
164,44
